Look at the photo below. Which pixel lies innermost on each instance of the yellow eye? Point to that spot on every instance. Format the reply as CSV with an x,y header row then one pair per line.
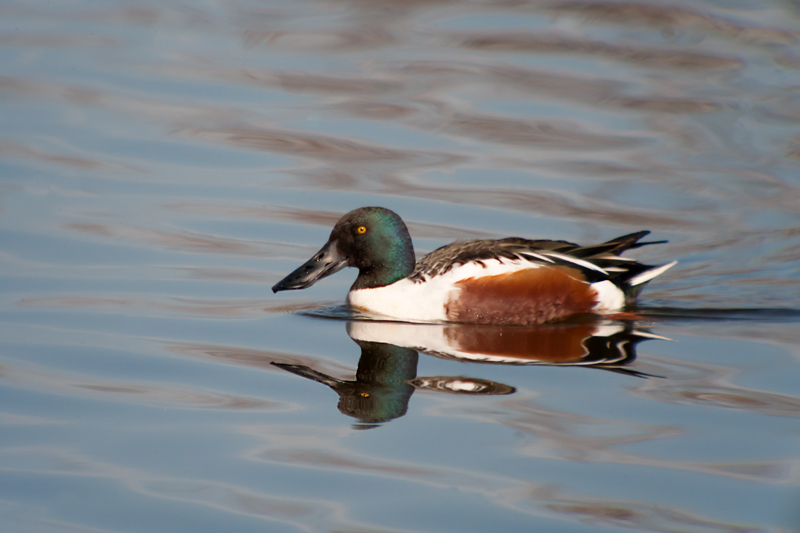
x,y
364,394
362,229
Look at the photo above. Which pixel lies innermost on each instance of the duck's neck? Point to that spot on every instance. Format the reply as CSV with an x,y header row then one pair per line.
x,y
391,262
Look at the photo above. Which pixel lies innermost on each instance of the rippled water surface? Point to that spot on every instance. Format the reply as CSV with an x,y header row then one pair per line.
x,y
163,164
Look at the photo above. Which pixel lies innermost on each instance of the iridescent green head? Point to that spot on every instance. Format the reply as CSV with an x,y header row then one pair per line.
x,y
373,239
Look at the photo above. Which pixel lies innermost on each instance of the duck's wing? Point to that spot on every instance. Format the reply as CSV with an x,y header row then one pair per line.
x,y
597,262
447,257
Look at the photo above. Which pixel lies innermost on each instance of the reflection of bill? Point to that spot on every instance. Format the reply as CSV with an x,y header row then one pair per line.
x,y
386,376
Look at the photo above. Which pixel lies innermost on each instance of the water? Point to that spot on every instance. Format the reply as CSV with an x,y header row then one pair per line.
x,y
164,163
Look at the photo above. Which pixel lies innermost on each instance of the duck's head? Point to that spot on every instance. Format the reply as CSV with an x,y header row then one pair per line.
x,y
373,239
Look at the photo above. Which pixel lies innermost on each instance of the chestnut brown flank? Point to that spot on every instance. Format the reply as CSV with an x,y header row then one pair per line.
x,y
531,296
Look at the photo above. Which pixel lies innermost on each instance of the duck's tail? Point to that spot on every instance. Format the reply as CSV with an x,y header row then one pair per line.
x,y
628,275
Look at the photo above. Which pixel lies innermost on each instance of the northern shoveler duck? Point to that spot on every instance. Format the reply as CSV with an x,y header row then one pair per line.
x,y
505,281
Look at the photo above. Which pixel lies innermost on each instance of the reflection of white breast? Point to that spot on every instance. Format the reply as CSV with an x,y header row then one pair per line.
x,y
435,339
422,337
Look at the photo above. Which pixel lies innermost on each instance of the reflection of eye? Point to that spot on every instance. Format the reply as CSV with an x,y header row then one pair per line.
x,y
362,229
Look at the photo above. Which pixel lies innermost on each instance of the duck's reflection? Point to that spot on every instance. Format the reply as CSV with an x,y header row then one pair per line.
x,y
382,387
387,369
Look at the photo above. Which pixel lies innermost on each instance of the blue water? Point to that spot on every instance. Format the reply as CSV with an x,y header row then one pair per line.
x,y
163,164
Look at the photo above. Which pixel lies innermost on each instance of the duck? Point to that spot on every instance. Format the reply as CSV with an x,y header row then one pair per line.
x,y
511,281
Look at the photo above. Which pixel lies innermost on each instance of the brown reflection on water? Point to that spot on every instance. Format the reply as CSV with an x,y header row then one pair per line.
x,y
327,148
532,83
550,203
556,134
572,436
296,81
301,215
63,40
552,434
640,55
522,80
227,497
710,387
673,18
349,163
19,150
304,447
319,40
638,516
232,309
786,337
340,461
182,241
72,384
164,111
326,219
309,447
249,357
319,448
375,109
229,275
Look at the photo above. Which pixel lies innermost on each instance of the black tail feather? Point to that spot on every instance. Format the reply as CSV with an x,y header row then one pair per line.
x,y
614,246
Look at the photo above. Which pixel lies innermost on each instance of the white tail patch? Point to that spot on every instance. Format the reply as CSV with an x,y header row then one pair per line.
x,y
609,297
647,275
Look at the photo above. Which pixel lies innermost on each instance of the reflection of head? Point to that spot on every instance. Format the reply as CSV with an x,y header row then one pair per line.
x,y
382,387
372,405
